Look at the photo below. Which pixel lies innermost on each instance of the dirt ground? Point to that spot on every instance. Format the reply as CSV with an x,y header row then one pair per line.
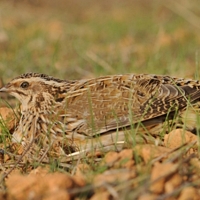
x,y
145,171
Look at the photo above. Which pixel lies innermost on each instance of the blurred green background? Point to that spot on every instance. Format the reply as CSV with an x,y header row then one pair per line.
x,y
74,39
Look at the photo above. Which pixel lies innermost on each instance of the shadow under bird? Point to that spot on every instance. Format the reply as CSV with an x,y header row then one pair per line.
x,y
64,116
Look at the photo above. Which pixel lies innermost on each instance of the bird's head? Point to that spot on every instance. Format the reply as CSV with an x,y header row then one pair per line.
x,y
34,88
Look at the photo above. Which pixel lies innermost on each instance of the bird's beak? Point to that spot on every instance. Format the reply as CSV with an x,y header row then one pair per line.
x,y
3,89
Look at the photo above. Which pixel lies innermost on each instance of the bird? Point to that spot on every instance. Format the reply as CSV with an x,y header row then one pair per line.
x,y
64,116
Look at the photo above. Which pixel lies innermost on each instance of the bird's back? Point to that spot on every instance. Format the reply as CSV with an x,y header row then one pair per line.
x,y
111,102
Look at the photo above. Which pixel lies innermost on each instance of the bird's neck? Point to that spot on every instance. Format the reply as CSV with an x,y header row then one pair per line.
x,y
42,103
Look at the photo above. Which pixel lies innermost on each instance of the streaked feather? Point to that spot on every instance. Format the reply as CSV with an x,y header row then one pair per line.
x,y
77,111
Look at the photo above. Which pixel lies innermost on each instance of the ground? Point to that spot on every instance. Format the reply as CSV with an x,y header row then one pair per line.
x,y
84,39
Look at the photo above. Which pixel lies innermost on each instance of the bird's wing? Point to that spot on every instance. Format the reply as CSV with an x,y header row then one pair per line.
x,y
107,103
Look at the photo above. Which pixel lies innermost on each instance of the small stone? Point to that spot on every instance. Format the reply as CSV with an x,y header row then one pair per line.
x,y
173,183
101,196
147,197
7,117
126,153
111,158
189,193
178,137
148,151
61,195
159,174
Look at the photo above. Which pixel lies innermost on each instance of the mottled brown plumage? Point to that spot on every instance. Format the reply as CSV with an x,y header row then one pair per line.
x,y
68,115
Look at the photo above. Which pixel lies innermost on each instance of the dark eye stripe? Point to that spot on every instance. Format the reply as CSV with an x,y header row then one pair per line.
x,y
21,93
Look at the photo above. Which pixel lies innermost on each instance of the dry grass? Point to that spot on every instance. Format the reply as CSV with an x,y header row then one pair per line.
x,y
85,39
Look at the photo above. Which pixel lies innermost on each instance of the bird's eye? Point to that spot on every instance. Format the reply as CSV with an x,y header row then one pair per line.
x,y
24,85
